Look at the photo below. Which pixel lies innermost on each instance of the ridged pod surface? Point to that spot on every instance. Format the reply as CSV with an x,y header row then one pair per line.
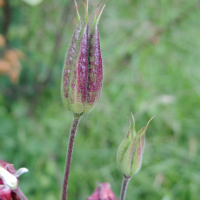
x,y
95,76
82,74
130,151
75,70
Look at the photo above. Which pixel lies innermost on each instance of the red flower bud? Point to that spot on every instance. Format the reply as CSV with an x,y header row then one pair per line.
x,y
5,193
103,192
9,182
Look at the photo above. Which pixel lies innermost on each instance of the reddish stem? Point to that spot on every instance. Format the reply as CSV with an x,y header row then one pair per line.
x,y
74,127
124,187
20,194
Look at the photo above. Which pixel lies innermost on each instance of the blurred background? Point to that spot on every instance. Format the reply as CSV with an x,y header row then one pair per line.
x,y
151,54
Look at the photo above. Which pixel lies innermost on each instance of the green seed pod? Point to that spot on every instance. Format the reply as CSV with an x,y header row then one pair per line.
x,y
130,151
123,146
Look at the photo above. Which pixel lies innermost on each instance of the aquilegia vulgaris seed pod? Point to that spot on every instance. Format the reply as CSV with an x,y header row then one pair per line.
x,y
95,76
83,71
75,70
131,149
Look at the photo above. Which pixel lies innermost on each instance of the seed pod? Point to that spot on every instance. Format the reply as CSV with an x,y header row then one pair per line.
x,y
95,76
124,146
130,151
75,70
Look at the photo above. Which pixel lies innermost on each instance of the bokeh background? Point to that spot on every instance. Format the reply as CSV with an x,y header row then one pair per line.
x,y
151,53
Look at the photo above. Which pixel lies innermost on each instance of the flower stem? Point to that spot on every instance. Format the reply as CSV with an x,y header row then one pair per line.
x,y
20,194
74,127
124,187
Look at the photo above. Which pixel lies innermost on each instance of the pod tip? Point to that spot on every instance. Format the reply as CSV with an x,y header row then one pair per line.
x,y
86,10
78,16
101,12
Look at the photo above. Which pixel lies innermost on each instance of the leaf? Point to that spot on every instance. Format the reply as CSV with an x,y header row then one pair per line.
x,y
33,2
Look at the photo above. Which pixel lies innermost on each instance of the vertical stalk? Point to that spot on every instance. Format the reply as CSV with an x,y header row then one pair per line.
x,y
74,127
124,187
20,194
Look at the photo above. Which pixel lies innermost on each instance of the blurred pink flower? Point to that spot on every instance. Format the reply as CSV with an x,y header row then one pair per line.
x,y
103,192
9,189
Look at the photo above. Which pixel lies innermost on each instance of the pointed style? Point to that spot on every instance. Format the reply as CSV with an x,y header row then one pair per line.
x,y
131,149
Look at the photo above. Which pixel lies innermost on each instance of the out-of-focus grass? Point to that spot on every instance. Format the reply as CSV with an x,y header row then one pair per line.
x,y
151,66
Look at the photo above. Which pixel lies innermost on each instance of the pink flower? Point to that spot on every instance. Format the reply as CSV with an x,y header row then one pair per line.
x,y
102,192
9,188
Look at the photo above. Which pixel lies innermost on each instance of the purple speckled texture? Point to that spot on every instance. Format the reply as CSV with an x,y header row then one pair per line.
x,y
66,81
95,68
70,58
83,71
83,67
80,72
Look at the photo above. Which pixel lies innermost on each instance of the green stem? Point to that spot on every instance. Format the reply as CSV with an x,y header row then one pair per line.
x,y
124,187
74,127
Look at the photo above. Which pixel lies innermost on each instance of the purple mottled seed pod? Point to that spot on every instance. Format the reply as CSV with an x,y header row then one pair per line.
x,y
95,76
75,70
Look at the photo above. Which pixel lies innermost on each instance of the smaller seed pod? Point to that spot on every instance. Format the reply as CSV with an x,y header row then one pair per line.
x,y
131,149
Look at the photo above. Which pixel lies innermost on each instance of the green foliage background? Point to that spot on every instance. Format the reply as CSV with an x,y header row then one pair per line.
x,y
151,53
